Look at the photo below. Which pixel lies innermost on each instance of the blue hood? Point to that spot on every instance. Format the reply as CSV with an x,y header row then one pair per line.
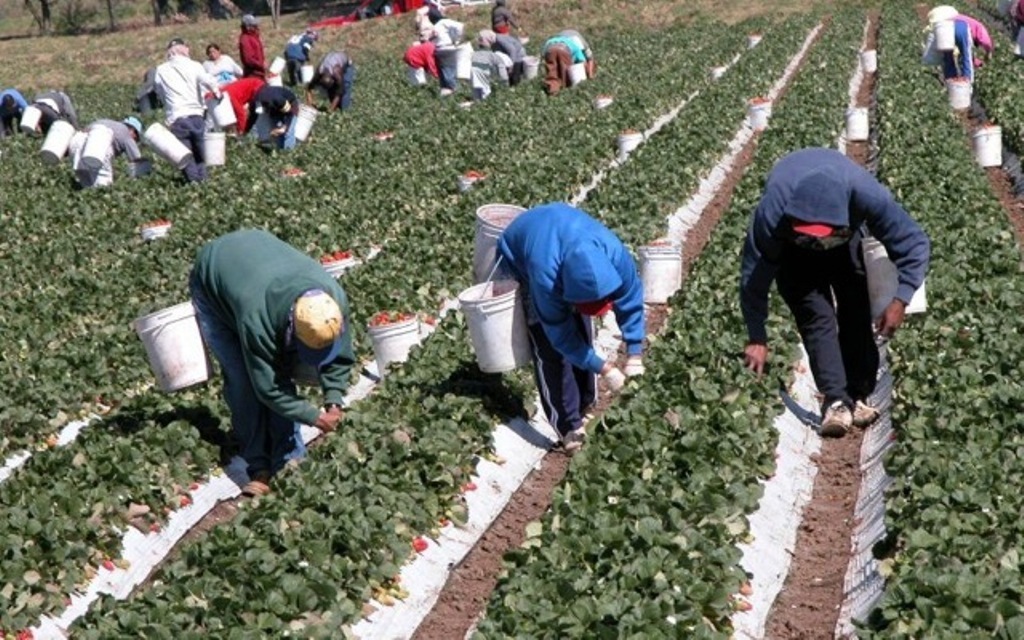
x,y
588,275
821,196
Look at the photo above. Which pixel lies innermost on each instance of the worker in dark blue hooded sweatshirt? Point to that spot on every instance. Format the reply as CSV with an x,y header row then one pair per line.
x,y
806,234
570,268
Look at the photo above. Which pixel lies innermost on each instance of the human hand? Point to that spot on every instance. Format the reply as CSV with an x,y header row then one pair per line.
x,y
891,318
328,420
754,357
278,132
634,366
614,378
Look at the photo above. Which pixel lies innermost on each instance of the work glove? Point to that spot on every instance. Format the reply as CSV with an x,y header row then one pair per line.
x,y
614,379
634,366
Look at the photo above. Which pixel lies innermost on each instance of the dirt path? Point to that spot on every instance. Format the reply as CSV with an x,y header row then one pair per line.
x,y
808,605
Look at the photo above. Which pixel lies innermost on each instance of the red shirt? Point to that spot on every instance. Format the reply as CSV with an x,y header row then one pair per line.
x,y
421,56
250,53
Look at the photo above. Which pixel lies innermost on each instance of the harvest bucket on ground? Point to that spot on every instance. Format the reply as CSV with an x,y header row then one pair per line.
x,y
857,125
959,90
464,62
392,342
753,40
98,147
661,270
883,280
759,110
307,116
417,77
277,66
30,119
988,146
945,35
222,111
57,141
274,80
869,61
174,346
215,148
307,72
491,220
497,325
628,141
577,74
531,67
164,143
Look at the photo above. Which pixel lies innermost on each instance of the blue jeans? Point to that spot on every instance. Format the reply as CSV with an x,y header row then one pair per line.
x,y
346,87
288,141
191,130
447,67
267,440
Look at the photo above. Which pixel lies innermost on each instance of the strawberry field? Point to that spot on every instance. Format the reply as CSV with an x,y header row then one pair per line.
x,y
642,538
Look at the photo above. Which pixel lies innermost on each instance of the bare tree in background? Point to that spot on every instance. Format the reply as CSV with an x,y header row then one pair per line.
x,y
112,22
41,14
275,11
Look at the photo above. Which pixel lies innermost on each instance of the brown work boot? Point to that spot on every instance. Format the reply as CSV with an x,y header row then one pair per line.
x,y
836,421
258,485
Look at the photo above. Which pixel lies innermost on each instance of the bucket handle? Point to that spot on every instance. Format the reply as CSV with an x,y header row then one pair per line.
x,y
494,269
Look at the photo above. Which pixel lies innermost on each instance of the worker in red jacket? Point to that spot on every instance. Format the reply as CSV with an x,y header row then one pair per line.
x,y
250,49
241,93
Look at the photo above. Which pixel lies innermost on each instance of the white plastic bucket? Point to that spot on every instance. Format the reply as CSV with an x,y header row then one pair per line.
x,y
531,67
628,142
753,40
30,119
497,325
307,73
464,62
222,111
98,147
857,125
164,143
275,80
392,342
307,116
603,102
491,220
57,141
215,148
277,66
718,72
417,77
959,90
174,346
661,270
883,280
759,111
988,146
945,35
140,169
869,61
577,73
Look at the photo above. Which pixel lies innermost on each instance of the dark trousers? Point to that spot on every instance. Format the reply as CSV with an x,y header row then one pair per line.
x,y
566,392
838,336
294,71
190,130
515,76
447,65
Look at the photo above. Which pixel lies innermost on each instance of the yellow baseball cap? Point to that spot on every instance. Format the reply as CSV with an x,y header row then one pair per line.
x,y
318,325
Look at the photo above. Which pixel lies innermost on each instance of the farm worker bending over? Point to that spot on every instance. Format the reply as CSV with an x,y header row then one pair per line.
x,y
127,134
220,65
958,63
181,83
54,106
421,56
250,48
280,106
1016,11
446,37
296,54
508,46
265,308
335,76
588,53
487,66
560,53
570,267
806,234
501,18
242,94
980,38
147,100
12,105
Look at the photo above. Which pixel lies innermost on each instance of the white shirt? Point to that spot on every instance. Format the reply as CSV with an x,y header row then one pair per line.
x,y
447,33
180,82
224,69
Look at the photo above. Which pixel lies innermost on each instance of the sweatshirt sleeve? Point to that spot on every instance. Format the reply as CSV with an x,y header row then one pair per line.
x,y
629,309
259,360
335,377
760,255
560,327
906,243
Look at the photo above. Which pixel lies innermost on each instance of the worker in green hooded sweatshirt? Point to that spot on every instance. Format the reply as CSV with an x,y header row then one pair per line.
x,y
268,312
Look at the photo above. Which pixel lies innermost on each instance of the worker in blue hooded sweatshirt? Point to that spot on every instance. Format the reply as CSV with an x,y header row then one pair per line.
x,y
806,234
570,268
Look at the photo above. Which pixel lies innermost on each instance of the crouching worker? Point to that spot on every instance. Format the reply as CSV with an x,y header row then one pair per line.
x,y
806,234
571,267
242,93
560,53
12,105
265,309
124,139
508,46
54,106
279,106
335,76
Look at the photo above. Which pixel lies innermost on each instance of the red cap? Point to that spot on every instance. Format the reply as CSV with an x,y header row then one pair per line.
x,y
598,308
811,229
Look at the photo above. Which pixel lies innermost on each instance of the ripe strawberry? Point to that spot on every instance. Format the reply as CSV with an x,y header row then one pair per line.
x,y
185,501
108,564
419,545
469,486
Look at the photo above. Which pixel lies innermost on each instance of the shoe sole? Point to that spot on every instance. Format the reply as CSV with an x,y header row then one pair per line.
x,y
833,431
867,423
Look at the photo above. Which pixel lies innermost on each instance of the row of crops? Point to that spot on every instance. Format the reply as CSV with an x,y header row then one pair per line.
x,y
641,539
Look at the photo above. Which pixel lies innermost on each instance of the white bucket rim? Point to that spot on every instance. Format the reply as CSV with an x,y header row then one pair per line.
x,y
152,321
392,328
